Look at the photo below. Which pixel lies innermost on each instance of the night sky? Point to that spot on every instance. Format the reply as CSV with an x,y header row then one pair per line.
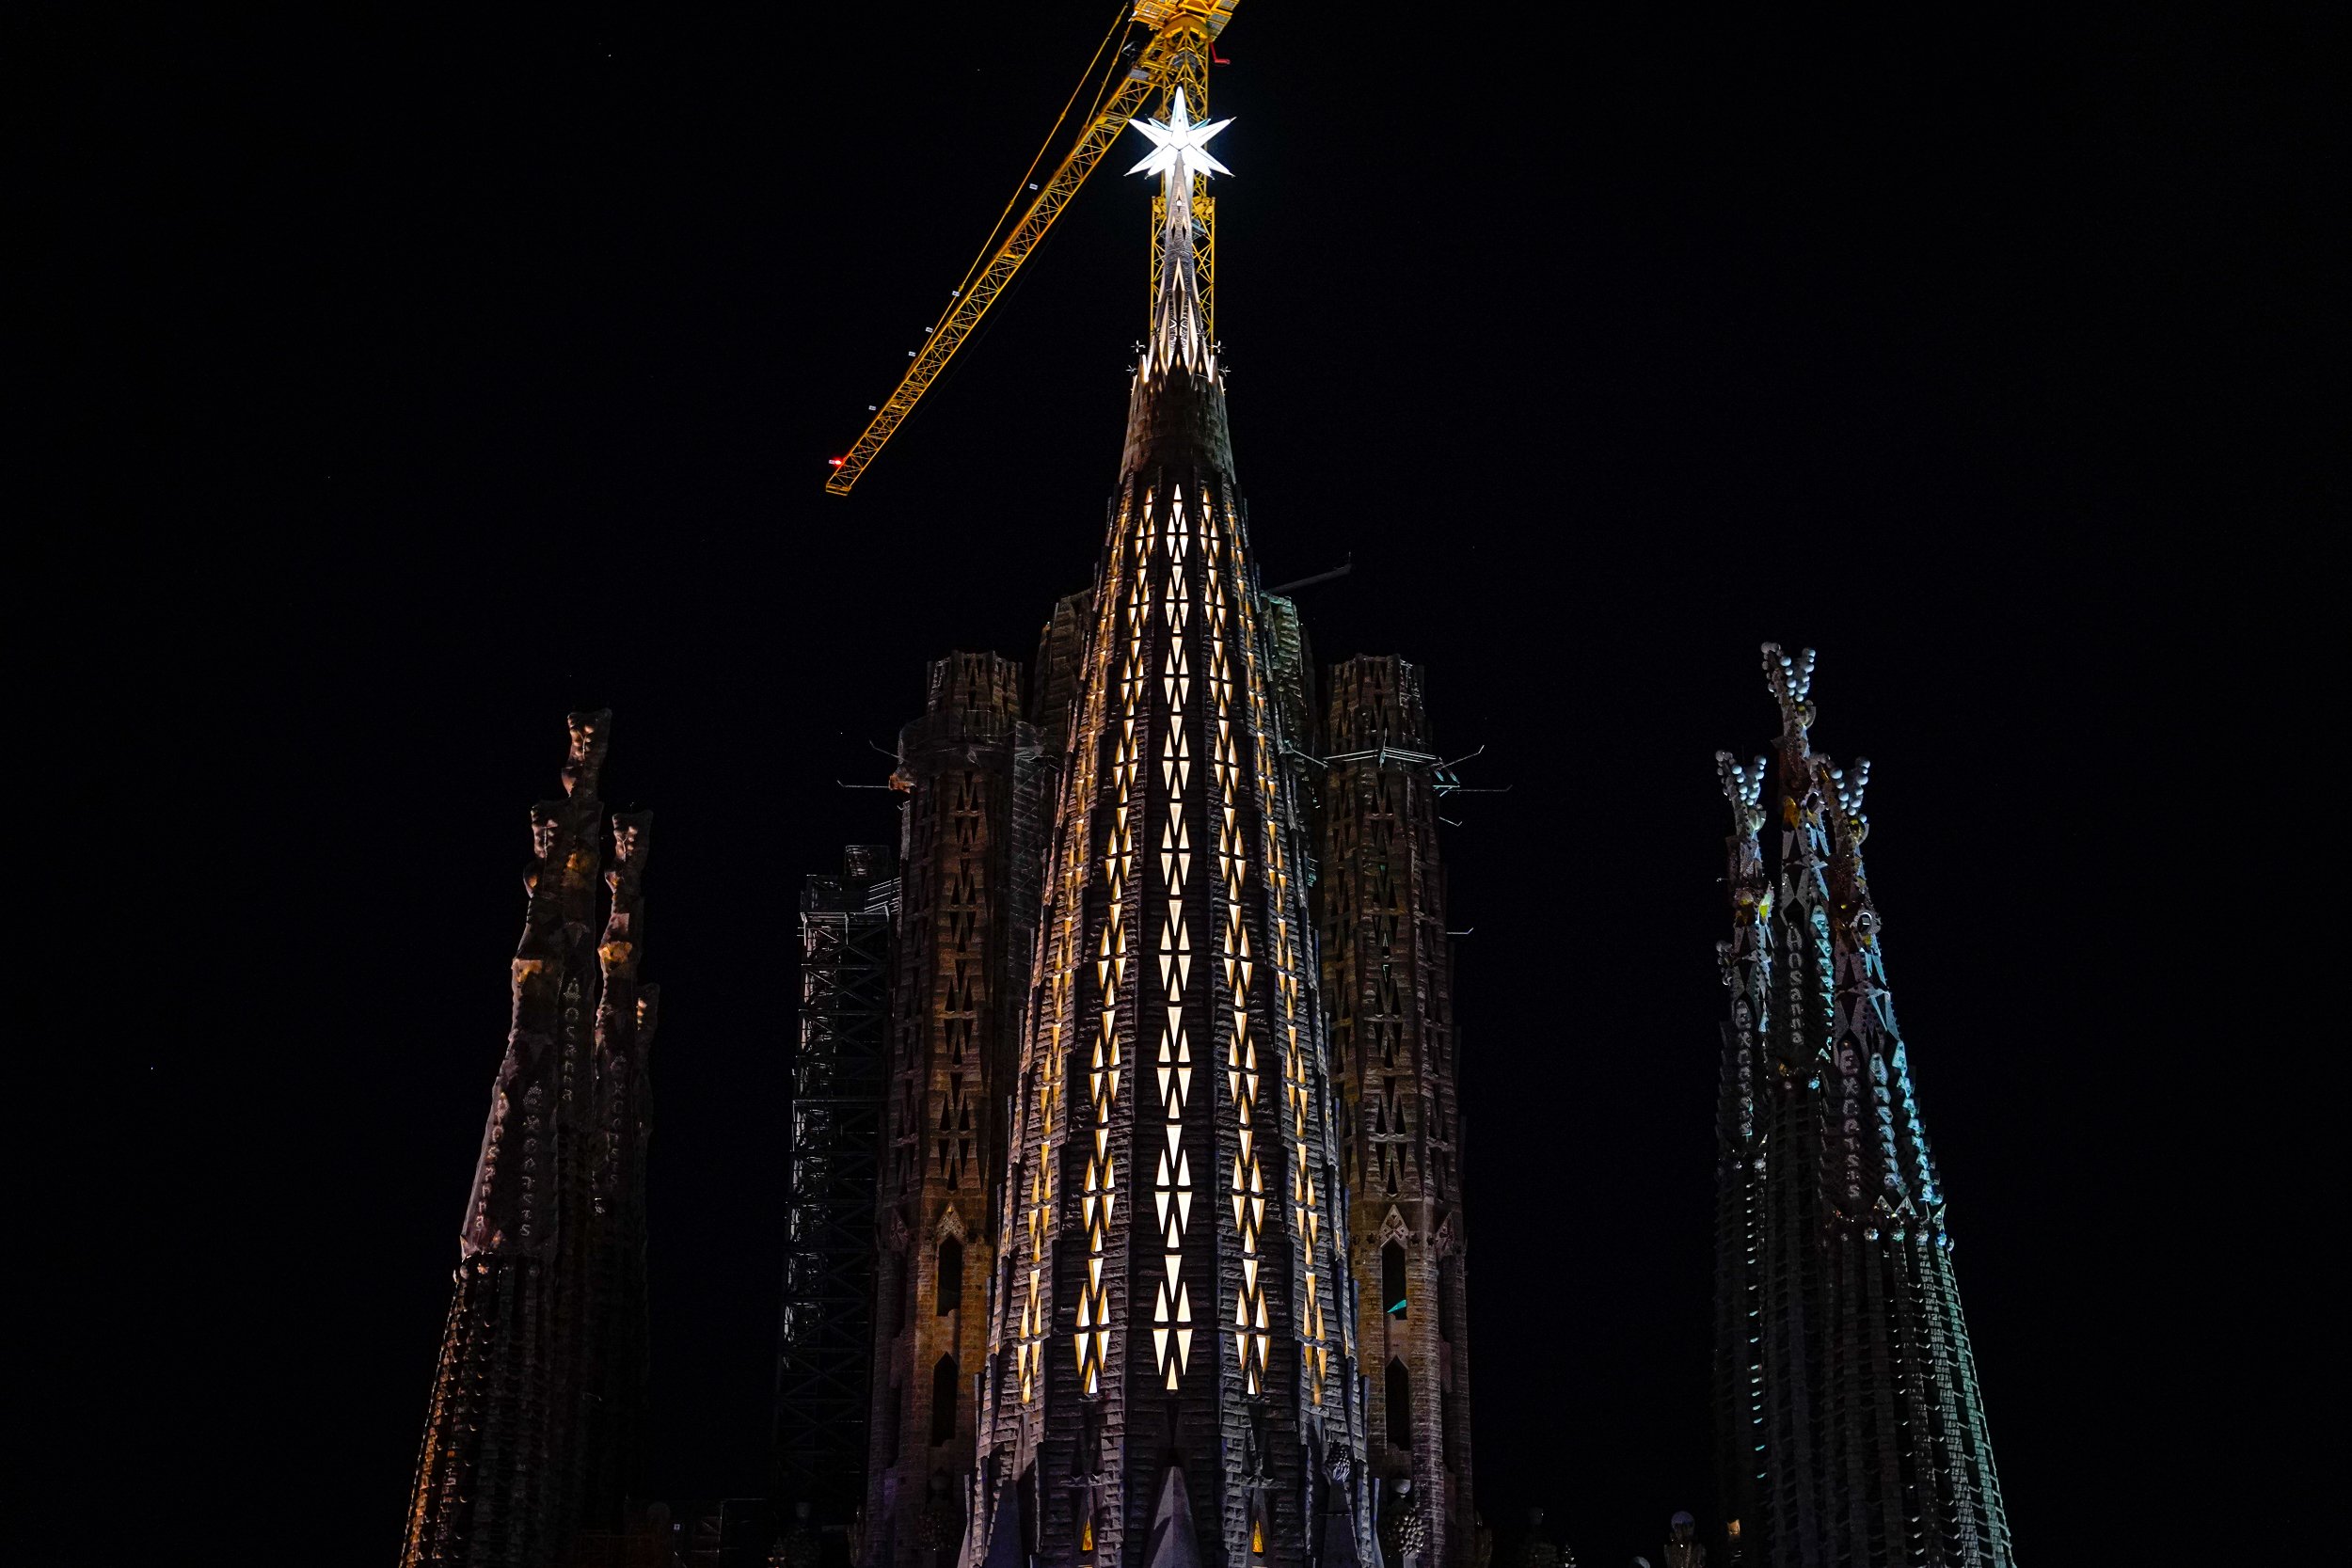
x,y
459,372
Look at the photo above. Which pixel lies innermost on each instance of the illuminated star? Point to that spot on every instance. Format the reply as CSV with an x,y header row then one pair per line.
x,y
1180,148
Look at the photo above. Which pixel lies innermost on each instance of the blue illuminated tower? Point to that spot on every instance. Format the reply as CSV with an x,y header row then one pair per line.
x,y
1850,1425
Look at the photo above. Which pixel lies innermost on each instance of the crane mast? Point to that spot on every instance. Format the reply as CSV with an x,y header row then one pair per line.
x,y
1176,53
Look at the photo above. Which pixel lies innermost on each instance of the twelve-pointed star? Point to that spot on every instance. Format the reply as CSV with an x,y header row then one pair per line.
x,y
1178,147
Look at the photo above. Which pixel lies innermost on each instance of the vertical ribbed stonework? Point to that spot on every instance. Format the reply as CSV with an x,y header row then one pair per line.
x,y
965,938
617,1344
533,1425
1849,1423
1387,975
1171,1376
1061,652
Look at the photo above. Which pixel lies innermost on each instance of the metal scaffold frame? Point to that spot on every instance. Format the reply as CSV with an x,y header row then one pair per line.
x,y
825,1343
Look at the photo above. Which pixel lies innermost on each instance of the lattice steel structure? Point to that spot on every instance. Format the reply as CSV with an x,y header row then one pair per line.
x,y
1388,973
534,1426
1171,1377
1167,46
825,1342
965,934
1851,1427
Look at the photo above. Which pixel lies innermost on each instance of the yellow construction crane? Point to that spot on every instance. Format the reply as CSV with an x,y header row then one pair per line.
x,y
1144,68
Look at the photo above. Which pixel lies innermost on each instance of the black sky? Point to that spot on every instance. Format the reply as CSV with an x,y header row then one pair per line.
x,y
453,371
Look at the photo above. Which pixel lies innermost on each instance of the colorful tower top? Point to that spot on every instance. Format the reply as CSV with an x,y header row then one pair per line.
x,y
1172,1372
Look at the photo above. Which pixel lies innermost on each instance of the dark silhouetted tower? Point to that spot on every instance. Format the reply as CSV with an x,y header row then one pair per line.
x,y
532,1431
1850,1429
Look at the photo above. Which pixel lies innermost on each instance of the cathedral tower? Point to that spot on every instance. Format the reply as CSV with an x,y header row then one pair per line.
x,y
1387,979
966,937
533,1430
1170,1379
1850,1425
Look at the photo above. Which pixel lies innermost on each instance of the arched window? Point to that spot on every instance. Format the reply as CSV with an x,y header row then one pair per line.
x,y
1400,1404
944,1400
949,1293
1392,1279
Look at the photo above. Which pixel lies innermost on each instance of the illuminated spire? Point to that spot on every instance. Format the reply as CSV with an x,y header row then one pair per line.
x,y
1179,152
1841,1350
1171,1305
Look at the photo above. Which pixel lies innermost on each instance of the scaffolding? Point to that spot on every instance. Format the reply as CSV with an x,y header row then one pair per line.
x,y
825,1345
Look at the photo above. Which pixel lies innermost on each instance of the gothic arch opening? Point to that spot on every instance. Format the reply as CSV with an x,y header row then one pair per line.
x,y
1400,1403
1392,1279
948,1294
944,1382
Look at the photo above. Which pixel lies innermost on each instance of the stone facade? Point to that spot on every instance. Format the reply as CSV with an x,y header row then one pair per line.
x,y
1388,981
961,961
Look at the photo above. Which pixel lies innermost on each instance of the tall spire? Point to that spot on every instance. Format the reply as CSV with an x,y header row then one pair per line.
x,y
1852,1424
961,958
1176,406
1387,975
1171,1376
532,1427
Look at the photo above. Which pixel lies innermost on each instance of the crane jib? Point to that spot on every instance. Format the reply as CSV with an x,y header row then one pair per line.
x,y
1176,55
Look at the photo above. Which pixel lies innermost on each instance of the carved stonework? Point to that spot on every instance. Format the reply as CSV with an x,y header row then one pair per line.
x,y
1388,970
1841,1351
1404,1534
960,965
547,1315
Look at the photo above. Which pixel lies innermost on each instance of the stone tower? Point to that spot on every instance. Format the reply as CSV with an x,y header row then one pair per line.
x,y
532,1434
1850,1424
1170,1378
965,934
1387,979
